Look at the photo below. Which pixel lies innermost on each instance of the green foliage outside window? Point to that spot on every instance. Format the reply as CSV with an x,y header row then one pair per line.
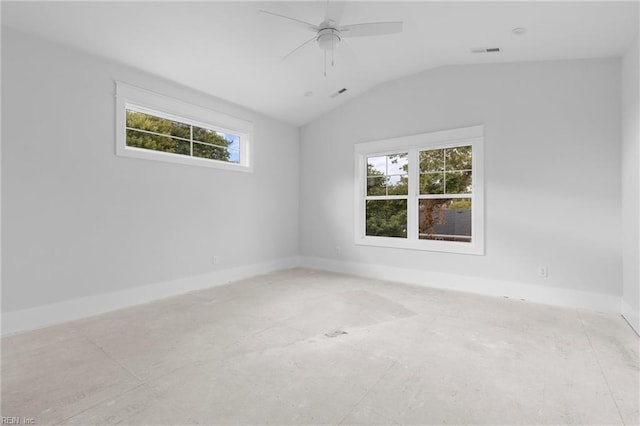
x,y
446,171
441,171
385,218
171,137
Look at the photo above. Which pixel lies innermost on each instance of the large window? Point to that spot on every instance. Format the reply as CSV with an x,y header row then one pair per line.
x,y
157,127
422,192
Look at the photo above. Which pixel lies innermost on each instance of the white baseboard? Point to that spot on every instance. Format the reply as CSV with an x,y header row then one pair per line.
x,y
534,293
632,316
68,310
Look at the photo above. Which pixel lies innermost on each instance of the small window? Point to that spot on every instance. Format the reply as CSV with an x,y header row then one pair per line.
x,y
157,127
422,192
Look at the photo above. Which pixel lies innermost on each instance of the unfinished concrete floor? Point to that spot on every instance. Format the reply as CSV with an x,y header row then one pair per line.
x,y
257,352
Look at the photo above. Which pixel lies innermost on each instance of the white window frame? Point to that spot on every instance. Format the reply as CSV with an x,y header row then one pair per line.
x,y
473,136
141,100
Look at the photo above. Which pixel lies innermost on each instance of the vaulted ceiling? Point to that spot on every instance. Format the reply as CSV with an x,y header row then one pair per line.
x,y
230,50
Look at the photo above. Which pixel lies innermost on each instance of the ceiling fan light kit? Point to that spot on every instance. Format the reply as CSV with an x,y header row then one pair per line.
x,y
328,38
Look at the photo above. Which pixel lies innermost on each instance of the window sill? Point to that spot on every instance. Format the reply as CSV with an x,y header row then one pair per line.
x,y
422,245
146,154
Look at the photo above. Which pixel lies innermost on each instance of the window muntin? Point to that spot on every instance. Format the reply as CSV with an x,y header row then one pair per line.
x,y
441,196
446,170
387,175
157,127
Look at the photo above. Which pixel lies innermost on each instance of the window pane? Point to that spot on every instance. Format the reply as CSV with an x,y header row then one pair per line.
x,y
138,120
376,166
233,142
447,219
387,218
432,161
211,152
397,164
397,185
209,136
157,143
458,158
377,185
432,183
234,156
458,183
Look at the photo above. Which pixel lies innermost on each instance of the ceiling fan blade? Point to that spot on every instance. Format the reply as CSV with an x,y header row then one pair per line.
x,y
303,24
300,47
370,29
348,53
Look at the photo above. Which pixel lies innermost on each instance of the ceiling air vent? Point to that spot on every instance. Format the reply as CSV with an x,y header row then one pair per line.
x,y
485,50
339,92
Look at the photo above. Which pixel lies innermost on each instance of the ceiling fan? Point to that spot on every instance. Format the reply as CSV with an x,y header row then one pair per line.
x,y
329,33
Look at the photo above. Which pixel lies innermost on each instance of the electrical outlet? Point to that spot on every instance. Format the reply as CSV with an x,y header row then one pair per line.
x,y
215,260
543,272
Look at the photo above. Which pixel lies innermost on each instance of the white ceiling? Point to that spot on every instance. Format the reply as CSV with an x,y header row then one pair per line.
x,y
229,50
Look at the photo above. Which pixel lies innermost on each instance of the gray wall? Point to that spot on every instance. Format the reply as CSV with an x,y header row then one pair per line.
x,y
552,169
79,221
